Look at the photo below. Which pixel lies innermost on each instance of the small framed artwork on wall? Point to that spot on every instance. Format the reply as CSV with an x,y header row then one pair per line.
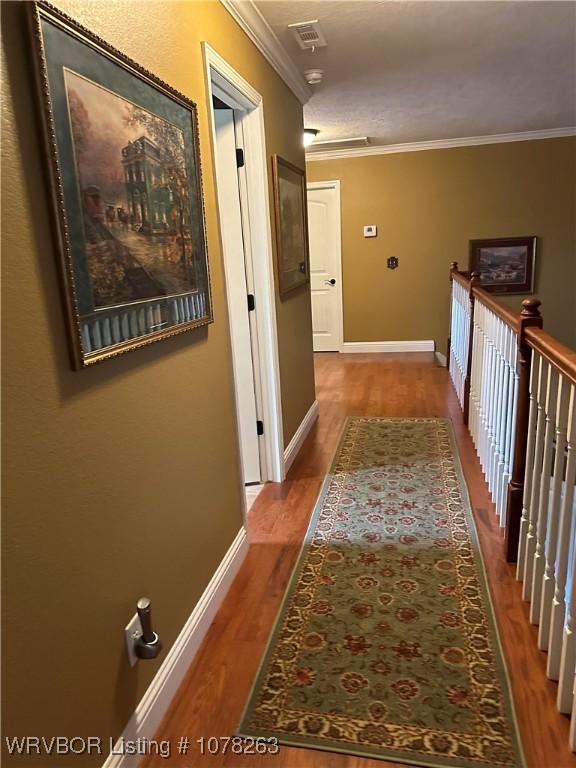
x,y
291,225
126,190
506,264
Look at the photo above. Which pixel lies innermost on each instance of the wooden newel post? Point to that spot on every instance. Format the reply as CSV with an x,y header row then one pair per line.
x,y
453,268
475,280
530,317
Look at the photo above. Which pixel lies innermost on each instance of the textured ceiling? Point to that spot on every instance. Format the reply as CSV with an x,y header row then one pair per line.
x,y
401,71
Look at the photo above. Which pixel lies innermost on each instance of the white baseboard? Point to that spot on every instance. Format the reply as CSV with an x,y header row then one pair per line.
x,y
441,359
155,702
299,436
388,346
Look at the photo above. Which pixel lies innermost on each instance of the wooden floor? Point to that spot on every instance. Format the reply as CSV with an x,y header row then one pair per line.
x,y
216,687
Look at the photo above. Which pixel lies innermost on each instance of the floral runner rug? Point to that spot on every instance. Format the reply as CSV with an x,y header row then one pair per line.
x,y
386,644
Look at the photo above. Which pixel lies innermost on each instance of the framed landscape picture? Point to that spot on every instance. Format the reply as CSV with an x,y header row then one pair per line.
x,y
291,225
506,264
126,189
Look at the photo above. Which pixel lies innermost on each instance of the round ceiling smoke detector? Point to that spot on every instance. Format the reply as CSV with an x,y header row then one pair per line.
x,y
313,76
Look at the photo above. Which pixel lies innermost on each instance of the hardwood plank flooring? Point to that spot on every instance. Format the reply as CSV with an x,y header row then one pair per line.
x,y
214,692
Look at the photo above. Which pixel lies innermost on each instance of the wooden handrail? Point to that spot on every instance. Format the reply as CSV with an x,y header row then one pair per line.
x,y
507,315
510,317
557,354
461,277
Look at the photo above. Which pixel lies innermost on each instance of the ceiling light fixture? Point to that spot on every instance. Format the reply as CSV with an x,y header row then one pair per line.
x,y
309,135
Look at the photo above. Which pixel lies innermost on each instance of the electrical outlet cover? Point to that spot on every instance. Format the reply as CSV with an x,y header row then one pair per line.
x,y
370,230
132,631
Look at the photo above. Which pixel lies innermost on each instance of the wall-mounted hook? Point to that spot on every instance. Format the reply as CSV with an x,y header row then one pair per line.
x,y
148,645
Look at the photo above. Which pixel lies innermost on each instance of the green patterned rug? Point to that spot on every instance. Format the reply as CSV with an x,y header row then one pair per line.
x,y
386,645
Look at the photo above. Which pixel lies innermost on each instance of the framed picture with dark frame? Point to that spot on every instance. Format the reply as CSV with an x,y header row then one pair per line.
x,y
291,225
126,184
506,264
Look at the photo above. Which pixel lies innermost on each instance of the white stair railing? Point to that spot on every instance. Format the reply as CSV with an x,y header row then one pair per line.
x,y
493,397
517,388
460,318
547,547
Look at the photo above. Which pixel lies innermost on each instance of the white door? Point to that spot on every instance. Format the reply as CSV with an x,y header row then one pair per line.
x,y
325,265
235,268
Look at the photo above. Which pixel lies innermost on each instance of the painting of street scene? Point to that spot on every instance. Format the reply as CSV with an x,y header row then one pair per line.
x,y
134,190
503,265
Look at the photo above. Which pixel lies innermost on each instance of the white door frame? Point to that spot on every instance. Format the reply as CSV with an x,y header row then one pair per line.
x,y
225,83
335,184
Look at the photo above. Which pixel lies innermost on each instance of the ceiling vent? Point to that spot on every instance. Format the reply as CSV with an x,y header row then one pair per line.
x,y
308,34
331,144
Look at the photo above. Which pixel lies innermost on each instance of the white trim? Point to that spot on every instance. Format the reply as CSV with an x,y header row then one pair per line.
x,y
335,184
441,358
418,146
223,79
300,435
251,494
388,346
247,15
155,702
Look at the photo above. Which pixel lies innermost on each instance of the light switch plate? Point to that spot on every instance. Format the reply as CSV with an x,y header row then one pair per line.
x,y
370,230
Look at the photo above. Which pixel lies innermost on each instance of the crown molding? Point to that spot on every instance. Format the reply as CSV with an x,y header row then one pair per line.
x,y
247,15
419,146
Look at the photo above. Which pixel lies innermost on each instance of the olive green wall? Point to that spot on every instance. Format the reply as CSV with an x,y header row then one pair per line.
x,y
121,480
427,206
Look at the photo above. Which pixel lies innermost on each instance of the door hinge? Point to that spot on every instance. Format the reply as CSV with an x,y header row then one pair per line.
x,y
251,302
239,158
259,427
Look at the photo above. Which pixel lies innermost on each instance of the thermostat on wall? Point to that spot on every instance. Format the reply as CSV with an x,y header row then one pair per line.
x,y
370,230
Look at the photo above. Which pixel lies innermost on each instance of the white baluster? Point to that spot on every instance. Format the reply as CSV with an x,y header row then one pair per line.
x,y
529,474
572,738
484,391
489,397
551,546
544,496
473,420
513,378
536,478
558,614
498,443
568,656
498,464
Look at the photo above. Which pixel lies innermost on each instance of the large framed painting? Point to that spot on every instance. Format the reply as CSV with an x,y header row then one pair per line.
x,y
126,189
506,264
291,225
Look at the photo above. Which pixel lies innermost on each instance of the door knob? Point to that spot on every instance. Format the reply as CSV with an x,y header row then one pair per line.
x,y
332,281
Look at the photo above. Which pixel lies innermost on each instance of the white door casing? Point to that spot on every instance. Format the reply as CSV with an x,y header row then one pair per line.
x,y
233,246
325,265
223,81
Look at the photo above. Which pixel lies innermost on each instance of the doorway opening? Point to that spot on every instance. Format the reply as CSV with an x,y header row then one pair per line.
x,y
239,148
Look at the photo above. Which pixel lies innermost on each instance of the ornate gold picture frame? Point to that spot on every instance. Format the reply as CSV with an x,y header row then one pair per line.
x,y
126,183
